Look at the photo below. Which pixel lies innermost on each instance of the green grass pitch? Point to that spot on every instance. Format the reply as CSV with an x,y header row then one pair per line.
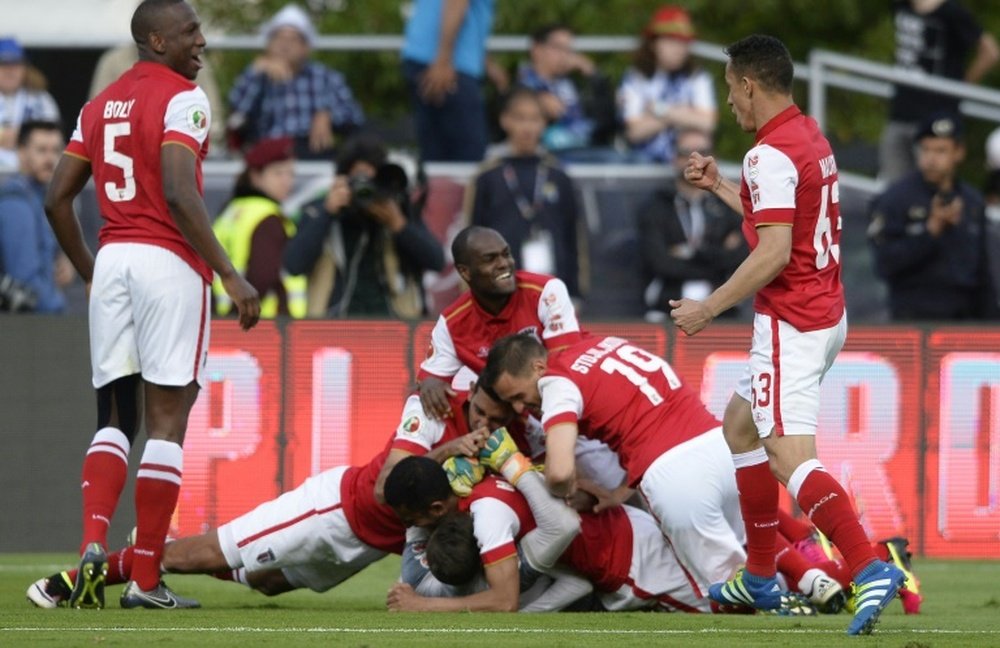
x,y
961,608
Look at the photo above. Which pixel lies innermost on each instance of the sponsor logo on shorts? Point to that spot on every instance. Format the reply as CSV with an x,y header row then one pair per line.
x,y
266,557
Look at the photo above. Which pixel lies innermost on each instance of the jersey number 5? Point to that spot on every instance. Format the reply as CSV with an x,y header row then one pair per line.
x,y
823,236
631,360
115,193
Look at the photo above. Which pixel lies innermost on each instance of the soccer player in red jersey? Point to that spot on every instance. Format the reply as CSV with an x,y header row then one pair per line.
x,y
789,197
322,532
670,446
143,139
500,301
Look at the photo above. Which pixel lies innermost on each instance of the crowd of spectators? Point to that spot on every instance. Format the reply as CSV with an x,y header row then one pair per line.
x,y
361,247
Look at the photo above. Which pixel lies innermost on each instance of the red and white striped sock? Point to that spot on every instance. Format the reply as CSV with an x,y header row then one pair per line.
x,y
156,488
105,469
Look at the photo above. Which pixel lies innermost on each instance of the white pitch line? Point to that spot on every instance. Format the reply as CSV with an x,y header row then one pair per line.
x,y
515,631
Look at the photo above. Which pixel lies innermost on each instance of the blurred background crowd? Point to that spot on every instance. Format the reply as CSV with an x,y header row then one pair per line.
x,y
338,175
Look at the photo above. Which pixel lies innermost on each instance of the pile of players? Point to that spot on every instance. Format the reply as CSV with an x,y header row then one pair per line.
x,y
636,507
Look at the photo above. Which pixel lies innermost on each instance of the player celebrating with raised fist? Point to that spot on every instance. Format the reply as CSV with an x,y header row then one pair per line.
x,y
143,138
788,194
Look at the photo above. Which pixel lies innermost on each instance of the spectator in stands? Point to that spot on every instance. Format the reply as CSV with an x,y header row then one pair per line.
x,y
115,61
665,90
23,98
927,233
284,94
526,196
689,240
254,231
575,121
444,60
363,244
932,37
29,253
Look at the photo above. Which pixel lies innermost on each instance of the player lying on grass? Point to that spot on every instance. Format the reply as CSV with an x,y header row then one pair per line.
x,y
620,551
319,534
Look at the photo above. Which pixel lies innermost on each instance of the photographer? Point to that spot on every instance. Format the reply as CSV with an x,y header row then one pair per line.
x,y
927,234
363,244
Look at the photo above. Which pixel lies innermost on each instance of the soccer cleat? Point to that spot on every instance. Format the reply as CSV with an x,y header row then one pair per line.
x,y
52,592
746,589
874,588
896,550
811,549
88,590
159,598
793,604
824,592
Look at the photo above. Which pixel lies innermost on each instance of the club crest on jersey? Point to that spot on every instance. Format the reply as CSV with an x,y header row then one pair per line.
x,y
411,425
753,160
532,331
198,118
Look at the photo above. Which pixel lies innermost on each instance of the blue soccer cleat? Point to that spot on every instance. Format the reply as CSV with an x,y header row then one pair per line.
x,y
746,589
874,589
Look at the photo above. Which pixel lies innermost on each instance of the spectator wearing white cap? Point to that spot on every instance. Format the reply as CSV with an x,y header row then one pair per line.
x,y
284,94
23,98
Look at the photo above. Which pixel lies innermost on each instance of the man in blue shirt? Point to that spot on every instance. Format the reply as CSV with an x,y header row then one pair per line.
x,y
28,250
444,59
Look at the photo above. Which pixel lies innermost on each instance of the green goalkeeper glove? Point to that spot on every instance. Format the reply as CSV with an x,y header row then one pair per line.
x,y
501,455
463,473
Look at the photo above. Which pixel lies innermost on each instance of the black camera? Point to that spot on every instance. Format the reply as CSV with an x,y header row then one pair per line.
x,y
15,297
389,182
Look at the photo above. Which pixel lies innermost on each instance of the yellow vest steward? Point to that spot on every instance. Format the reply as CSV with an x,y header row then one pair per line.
x,y
234,229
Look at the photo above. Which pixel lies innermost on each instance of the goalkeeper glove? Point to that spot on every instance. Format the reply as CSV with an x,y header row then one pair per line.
x,y
501,455
463,473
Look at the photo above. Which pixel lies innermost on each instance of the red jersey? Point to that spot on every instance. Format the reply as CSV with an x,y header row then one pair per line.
x,y
500,517
465,332
624,396
377,524
602,551
120,132
790,178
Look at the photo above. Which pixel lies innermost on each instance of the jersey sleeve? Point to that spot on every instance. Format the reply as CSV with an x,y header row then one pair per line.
x,y
187,119
495,525
562,401
442,360
558,316
417,433
77,147
772,179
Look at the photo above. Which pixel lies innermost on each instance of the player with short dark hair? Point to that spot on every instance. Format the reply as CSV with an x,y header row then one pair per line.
x,y
501,300
143,138
789,197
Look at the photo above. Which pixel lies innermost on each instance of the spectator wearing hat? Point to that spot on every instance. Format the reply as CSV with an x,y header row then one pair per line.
x,y
284,94
933,37
927,234
23,98
665,90
254,231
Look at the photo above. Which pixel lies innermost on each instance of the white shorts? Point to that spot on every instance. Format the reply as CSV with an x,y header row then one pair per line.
x,y
304,532
150,313
691,491
656,579
782,378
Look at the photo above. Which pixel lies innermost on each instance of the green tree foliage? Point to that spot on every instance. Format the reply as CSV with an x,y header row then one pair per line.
x,y
855,27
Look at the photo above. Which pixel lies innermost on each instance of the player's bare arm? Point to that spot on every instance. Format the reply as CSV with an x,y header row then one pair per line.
x,y
502,596
605,498
434,395
560,459
467,445
703,172
68,180
762,265
188,210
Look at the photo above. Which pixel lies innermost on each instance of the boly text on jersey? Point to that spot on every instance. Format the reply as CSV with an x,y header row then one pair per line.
x,y
118,109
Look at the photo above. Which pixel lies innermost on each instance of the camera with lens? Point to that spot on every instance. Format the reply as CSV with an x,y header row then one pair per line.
x,y
15,297
389,183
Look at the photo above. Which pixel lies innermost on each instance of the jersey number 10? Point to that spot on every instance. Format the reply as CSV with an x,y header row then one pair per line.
x,y
631,360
